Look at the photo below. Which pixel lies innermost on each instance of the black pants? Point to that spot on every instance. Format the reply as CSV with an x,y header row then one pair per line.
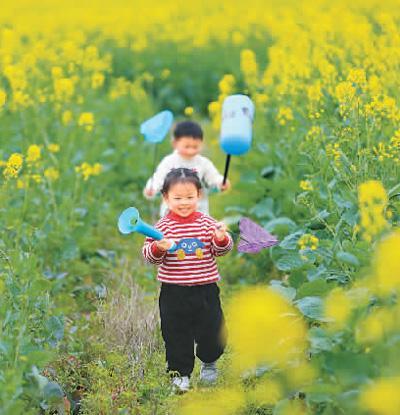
x,y
191,315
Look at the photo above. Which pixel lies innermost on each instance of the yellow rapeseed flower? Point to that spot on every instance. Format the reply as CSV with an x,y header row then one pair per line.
x,y
64,89
3,97
224,401
264,328
13,166
52,174
382,396
284,115
97,80
308,241
249,67
53,148
386,273
266,392
226,84
188,111
165,73
66,117
357,77
338,307
306,185
33,153
372,200
87,170
86,120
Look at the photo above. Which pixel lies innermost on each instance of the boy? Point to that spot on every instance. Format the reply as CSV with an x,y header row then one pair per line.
x,y
187,143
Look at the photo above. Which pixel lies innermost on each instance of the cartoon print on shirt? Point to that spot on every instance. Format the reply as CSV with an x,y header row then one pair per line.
x,y
189,246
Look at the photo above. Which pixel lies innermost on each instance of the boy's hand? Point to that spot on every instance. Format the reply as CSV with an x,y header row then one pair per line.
x,y
164,244
220,231
226,186
149,192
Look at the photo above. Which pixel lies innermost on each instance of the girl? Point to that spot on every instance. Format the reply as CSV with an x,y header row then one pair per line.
x,y
190,308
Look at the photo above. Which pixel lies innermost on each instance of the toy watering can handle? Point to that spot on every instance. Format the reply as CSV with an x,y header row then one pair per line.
x,y
129,221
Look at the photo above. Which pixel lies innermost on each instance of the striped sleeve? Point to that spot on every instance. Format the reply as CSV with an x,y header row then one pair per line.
x,y
150,252
220,248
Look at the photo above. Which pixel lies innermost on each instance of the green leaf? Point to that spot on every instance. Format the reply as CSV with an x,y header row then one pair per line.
x,y
55,327
316,273
268,172
317,287
311,307
342,203
290,241
280,225
350,367
319,340
263,209
394,191
53,392
287,292
289,262
347,258
351,216
297,278
321,216
232,220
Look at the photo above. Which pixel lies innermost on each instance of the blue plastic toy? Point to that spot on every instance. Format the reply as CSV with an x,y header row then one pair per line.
x,y
236,127
156,128
129,221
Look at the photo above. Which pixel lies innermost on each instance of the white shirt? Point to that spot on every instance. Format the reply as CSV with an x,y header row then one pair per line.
x,y
207,172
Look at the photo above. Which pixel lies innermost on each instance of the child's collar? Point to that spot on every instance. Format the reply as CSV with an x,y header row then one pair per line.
x,y
188,219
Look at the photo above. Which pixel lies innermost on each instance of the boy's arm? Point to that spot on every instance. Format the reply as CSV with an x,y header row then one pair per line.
x,y
212,177
156,181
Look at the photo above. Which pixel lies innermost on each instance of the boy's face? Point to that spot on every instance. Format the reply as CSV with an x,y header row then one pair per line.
x,y
188,147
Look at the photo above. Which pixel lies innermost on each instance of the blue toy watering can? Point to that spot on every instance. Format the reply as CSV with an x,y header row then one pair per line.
x,y
129,221
236,127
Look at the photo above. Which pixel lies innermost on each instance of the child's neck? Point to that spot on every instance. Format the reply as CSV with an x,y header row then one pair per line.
x,y
176,216
185,157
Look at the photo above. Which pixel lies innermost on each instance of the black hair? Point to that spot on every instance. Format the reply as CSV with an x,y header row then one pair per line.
x,y
180,175
188,129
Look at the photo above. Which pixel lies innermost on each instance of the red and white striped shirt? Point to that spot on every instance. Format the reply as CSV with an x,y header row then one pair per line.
x,y
194,262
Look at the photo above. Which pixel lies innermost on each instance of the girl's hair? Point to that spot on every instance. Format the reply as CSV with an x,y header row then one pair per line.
x,y
181,175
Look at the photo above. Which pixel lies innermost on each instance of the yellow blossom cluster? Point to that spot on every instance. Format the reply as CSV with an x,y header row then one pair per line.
x,y
272,317
87,170
372,200
86,120
333,151
13,166
306,185
249,68
226,87
308,241
33,154
284,115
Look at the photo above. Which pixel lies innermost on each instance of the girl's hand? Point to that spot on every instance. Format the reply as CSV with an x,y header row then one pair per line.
x,y
164,244
220,231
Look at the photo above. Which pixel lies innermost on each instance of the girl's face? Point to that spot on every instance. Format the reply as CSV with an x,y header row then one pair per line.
x,y
182,199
